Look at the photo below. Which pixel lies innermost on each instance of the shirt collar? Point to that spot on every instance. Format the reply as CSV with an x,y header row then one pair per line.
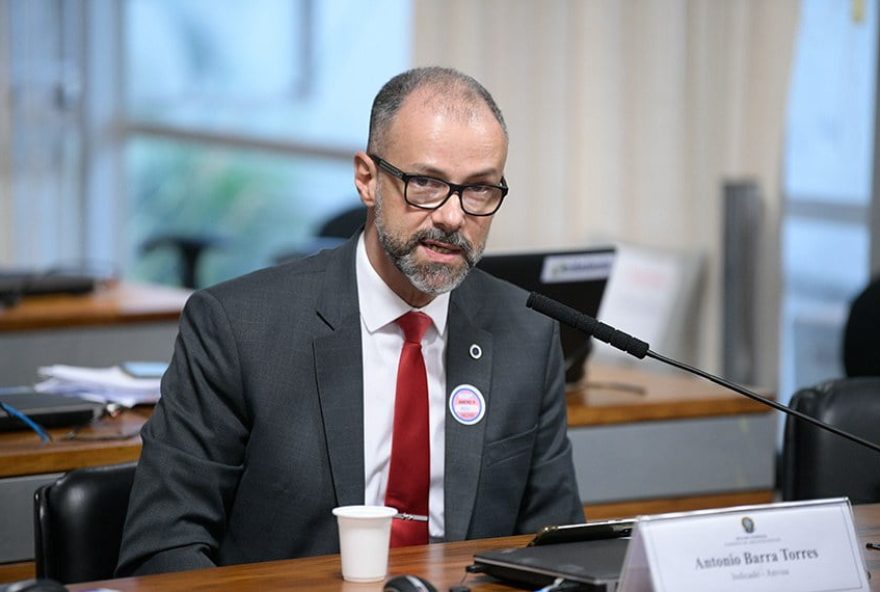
x,y
379,305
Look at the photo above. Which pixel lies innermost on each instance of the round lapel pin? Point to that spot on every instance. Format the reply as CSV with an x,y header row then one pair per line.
x,y
467,405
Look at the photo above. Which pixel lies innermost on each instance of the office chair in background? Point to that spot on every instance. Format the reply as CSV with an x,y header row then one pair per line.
x,y
345,223
819,464
189,248
333,232
78,522
861,346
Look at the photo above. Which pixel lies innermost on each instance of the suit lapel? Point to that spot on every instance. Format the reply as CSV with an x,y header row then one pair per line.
x,y
339,372
464,443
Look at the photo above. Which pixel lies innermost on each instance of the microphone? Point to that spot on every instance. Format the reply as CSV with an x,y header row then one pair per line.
x,y
640,349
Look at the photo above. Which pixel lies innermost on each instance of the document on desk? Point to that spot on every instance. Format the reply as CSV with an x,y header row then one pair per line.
x,y
104,385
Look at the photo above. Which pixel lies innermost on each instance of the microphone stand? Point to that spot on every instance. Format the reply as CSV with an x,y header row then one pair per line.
x,y
756,397
640,349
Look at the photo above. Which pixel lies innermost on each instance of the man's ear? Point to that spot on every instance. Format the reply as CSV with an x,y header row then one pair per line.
x,y
365,178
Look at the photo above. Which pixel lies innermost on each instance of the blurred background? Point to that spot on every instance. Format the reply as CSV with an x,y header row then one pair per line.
x,y
729,145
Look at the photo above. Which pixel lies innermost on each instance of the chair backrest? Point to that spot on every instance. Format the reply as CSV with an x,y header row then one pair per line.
x,y
861,348
819,464
78,522
345,223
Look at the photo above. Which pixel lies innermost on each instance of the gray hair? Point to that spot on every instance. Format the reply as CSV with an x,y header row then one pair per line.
x,y
448,82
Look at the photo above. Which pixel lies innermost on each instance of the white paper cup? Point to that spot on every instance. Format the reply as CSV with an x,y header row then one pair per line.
x,y
364,533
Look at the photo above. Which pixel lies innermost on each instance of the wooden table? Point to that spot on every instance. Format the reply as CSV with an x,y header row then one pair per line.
x,y
113,304
108,441
120,305
662,440
666,397
591,405
441,564
641,392
117,322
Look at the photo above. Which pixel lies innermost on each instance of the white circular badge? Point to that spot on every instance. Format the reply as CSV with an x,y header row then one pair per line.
x,y
467,404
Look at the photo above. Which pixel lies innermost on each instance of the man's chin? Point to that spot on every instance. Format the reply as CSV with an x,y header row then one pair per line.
x,y
438,279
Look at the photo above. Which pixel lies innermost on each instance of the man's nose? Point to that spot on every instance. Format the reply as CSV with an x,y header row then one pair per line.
x,y
450,216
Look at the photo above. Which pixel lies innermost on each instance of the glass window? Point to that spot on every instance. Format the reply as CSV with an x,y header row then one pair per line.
x,y
829,148
827,180
234,209
241,124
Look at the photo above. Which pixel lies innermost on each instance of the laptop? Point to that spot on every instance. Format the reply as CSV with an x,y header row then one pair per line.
x,y
15,284
47,409
576,278
594,565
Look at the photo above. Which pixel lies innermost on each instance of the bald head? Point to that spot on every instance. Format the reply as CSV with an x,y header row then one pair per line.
x,y
443,89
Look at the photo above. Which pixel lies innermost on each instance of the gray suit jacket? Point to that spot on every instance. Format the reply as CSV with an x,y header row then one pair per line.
x,y
259,431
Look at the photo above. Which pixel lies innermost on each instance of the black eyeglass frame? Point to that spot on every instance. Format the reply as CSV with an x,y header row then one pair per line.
x,y
453,187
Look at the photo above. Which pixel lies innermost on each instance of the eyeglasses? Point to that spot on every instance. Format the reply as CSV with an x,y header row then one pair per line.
x,y
429,193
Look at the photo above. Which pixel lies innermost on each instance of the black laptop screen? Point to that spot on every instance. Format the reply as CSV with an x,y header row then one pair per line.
x,y
574,278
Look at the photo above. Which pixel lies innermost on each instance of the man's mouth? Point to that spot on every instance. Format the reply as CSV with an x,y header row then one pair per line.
x,y
442,248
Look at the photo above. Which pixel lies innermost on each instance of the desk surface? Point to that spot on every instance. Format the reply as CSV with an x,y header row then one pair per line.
x,y
102,443
441,564
115,304
665,397
625,394
605,397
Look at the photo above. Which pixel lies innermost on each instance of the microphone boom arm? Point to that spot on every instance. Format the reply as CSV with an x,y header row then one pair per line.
x,y
640,349
764,400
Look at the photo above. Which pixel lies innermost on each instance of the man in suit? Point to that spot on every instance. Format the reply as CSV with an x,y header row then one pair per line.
x,y
279,403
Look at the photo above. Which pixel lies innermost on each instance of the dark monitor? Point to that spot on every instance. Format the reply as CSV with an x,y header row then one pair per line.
x,y
47,409
574,278
15,284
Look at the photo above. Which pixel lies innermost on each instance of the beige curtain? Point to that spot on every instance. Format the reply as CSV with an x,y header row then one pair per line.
x,y
626,116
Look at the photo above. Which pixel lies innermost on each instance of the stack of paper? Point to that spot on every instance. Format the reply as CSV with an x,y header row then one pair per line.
x,y
104,385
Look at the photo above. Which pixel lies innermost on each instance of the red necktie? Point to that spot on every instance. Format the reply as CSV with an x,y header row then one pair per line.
x,y
409,474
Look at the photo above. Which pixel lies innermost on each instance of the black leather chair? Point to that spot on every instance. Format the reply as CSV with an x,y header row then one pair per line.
x,y
78,522
861,346
819,464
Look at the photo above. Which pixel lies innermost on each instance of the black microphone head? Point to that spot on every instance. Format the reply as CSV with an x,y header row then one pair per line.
x,y
562,313
587,324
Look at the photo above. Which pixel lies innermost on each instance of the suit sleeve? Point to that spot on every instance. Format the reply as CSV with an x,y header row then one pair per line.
x,y
551,495
193,450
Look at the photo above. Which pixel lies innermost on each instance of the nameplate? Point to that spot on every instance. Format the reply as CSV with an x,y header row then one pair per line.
x,y
786,547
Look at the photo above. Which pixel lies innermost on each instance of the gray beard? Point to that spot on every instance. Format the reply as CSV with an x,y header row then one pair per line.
x,y
428,278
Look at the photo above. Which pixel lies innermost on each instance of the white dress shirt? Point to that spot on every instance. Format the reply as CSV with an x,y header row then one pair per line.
x,y
382,340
